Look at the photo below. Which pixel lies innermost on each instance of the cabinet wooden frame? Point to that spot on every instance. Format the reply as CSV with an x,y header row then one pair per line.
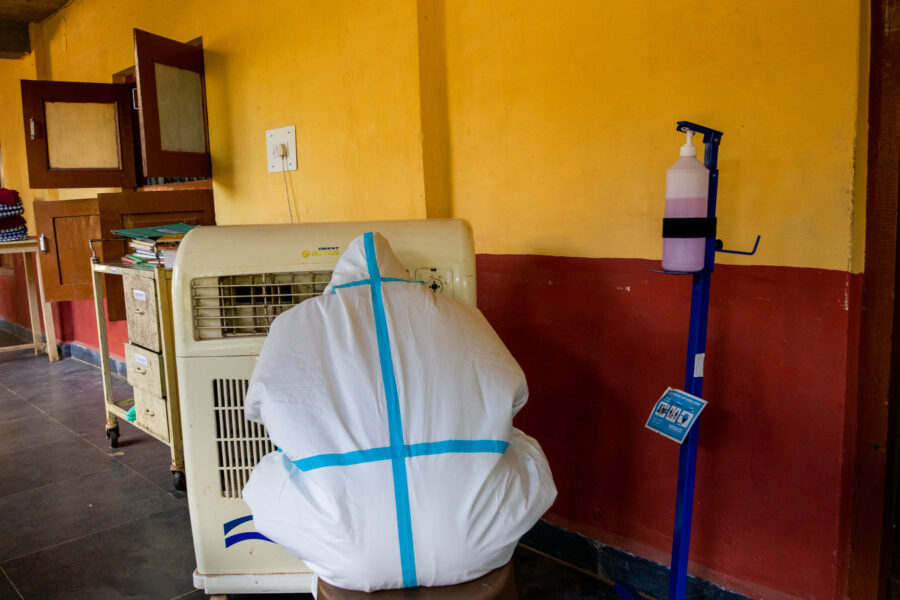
x,y
149,50
69,224
36,95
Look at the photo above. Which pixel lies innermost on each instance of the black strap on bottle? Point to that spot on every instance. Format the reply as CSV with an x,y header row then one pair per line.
x,y
702,227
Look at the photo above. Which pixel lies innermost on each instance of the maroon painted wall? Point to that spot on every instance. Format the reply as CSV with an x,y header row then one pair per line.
x,y
79,325
601,339
13,295
75,321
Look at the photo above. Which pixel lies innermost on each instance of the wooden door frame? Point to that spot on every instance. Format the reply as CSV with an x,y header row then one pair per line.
x,y
877,400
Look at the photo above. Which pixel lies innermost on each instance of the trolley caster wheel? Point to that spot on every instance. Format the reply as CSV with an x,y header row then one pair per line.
x,y
113,435
178,481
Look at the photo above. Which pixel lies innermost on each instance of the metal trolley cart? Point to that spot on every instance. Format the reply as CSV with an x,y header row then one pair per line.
x,y
149,357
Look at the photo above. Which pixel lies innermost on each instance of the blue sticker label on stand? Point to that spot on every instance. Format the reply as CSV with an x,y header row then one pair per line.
x,y
675,413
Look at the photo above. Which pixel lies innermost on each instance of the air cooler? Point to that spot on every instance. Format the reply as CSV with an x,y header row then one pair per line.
x,y
230,283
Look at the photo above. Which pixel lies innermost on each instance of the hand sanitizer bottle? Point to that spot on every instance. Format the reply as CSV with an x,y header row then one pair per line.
x,y
687,189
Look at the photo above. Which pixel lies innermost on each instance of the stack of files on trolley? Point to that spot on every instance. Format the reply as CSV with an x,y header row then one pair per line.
x,y
150,246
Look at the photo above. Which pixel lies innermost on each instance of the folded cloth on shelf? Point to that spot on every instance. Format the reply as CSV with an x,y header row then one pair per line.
x,y
11,222
8,196
392,408
9,210
14,235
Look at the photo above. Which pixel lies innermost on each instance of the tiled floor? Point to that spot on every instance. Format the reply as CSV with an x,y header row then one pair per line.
x,y
80,520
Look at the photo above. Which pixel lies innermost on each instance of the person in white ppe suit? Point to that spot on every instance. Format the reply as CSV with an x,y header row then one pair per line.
x,y
392,407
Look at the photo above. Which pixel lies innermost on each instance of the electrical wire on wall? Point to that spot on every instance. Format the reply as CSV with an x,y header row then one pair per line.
x,y
281,144
287,196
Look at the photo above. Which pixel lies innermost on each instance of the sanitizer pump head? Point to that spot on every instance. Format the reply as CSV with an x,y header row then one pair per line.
x,y
689,149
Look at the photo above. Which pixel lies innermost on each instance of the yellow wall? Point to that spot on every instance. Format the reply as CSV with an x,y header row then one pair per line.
x,y
562,122
345,73
548,125
13,166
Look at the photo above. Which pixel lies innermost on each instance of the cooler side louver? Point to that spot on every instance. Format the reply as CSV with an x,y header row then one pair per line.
x,y
240,443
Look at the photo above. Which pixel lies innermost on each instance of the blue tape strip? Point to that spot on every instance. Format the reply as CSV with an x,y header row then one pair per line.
x,y
368,281
352,284
342,460
239,521
231,540
409,450
395,423
454,446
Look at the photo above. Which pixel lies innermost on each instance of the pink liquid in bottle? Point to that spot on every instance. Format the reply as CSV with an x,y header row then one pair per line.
x,y
687,185
684,254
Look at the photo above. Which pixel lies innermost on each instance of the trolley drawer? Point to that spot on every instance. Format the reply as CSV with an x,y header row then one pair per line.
x,y
151,413
140,306
145,370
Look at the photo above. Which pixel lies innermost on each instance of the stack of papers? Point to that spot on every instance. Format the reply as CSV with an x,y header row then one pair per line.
x,y
153,245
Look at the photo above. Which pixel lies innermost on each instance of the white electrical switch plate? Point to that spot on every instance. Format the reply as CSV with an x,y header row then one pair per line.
x,y
281,149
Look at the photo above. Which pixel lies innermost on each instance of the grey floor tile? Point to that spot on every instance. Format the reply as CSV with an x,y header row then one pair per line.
x,y
77,389
85,410
195,595
155,467
7,338
83,420
17,366
540,578
9,359
7,591
13,407
31,433
151,558
35,467
135,443
93,429
66,510
34,377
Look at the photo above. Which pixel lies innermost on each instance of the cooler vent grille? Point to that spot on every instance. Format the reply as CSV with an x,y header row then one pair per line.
x,y
240,443
246,305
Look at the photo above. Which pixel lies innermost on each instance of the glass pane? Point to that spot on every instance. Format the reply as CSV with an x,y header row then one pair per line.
x,y
82,135
180,100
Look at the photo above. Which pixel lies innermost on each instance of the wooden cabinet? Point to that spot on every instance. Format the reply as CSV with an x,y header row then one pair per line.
x,y
81,134
171,107
78,134
68,225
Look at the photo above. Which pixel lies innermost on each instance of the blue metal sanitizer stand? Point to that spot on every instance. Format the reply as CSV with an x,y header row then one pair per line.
x,y
693,379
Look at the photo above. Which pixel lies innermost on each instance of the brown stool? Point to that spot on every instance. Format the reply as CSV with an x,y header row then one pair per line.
x,y
499,584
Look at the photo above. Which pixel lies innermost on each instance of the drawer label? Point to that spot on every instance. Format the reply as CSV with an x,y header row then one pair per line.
x,y
140,359
140,295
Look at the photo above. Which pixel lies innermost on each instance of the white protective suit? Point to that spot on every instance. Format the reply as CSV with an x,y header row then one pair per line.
x,y
392,409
